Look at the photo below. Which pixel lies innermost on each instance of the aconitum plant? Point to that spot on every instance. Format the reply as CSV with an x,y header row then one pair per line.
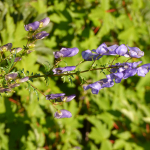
x,y
11,78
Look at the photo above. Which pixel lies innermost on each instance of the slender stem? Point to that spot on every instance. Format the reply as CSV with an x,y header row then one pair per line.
x,y
44,95
56,64
80,63
37,89
114,59
128,59
94,62
36,76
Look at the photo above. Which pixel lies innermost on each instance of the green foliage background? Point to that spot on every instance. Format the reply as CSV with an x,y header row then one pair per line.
x,y
115,119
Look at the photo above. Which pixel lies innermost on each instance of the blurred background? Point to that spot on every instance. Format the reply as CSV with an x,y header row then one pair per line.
x,y
118,118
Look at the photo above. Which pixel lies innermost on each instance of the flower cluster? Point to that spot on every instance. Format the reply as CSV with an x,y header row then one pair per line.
x,y
60,97
119,71
12,81
121,50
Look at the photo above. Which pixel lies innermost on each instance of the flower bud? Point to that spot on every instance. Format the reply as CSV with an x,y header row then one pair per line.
x,y
14,85
31,45
16,50
6,47
11,76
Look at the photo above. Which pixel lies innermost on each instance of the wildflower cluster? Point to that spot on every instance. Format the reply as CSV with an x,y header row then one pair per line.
x,y
11,78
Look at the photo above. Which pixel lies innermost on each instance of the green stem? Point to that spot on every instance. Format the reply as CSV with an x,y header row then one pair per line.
x,y
101,68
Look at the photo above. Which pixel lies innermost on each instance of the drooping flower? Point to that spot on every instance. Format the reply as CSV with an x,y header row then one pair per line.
x,y
68,98
66,52
32,26
41,35
14,85
121,50
16,50
63,69
6,47
54,96
106,82
111,49
135,52
89,56
44,22
17,59
22,80
141,71
102,49
63,114
4,90
95,87
129,73
11,76
146,66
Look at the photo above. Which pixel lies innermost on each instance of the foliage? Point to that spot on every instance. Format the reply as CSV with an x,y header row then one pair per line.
x,y
117,118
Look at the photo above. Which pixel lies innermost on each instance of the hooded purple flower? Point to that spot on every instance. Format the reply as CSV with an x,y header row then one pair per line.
x,y
14,85
6,47
17,59
102,49
146,66
22,80
66,52
129,73
11,76
44,22
141,71
111,50
32,26
4,90
95,87
106,82
121,50
89,56
54,96
16,50
41,35
68,98
60,70
135,52
63,114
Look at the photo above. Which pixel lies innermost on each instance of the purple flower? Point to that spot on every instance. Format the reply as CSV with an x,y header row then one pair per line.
x,y
41,35
54,96
11,76
102,49
44,22
16,50
106,83
135,52
95,87
121,50
63,69
66,52
6,47
22,80
63,114
17,59
68,98
4,90
141,71
146,66
117,76
111,49
14,85
129,73
32,26
89,56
